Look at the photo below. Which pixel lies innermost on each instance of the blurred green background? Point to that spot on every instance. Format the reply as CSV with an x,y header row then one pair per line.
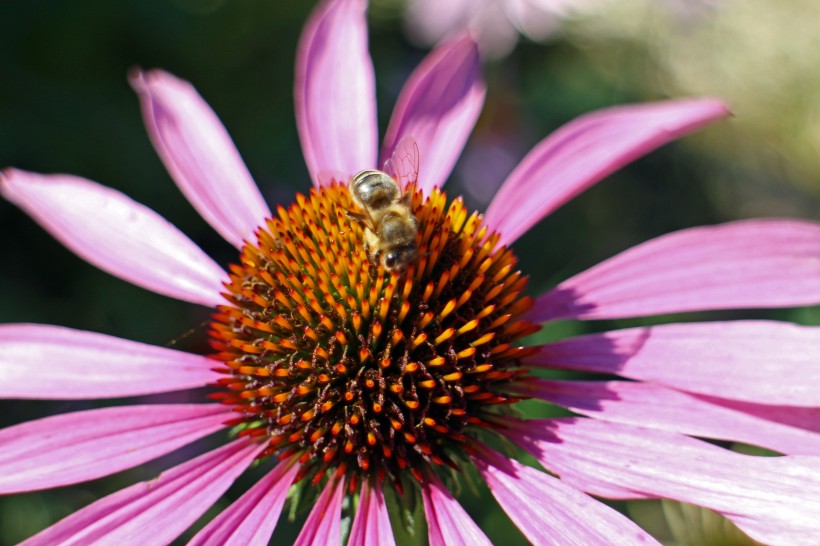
x,y
65,106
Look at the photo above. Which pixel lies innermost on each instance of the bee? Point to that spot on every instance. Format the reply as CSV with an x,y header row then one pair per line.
x,y
390,227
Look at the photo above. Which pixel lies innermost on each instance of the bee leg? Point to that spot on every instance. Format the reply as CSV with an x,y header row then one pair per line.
x,y
372,253
371,242
372,260
371,246
358,217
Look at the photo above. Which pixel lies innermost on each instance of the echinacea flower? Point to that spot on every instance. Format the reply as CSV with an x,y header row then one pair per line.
x,y
348,380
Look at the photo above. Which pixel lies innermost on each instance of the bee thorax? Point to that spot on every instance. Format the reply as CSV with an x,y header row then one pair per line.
x,y
397,228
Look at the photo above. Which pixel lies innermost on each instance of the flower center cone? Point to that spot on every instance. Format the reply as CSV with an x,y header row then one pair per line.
x,y
364,372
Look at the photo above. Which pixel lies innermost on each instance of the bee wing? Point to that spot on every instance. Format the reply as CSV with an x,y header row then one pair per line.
x,y
403,165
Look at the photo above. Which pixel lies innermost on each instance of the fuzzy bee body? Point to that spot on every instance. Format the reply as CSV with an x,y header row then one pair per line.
x,y
390,227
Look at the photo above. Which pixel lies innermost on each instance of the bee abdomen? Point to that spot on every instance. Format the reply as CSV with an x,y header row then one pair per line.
x,y
375,190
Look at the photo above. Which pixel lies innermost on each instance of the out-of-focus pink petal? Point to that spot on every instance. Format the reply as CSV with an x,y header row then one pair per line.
x,y
52,362
538,19
748,264
548,511
200,155
775,500
430,21
653,406
253,517
116,234
586,150
447,522
84,445
335,90
763,362
438,107
323,526
371,526
155,511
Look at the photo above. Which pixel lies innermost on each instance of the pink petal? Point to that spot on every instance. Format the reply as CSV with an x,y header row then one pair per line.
x,y
749,264
447,522
200,155
805,418
324,523
52,362
774,500
548,511
653,406
585,151
335,90
371,527
156,511
428,21
764,362
438,107
252,518
81,446
116,234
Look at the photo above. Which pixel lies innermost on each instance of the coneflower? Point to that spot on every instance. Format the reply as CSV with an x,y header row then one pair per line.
x,y
348,380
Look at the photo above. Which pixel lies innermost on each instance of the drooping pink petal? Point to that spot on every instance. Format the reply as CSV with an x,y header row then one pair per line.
x,y
438,107
653,406
155,511
797,417
586,150
324,523
81,446
447,522
253,517
335,90
548,511
747,264
371,526
116,234
774,500
763,362
200,155
52,362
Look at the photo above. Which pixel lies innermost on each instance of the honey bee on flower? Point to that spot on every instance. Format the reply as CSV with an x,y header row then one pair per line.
x,y
390,227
